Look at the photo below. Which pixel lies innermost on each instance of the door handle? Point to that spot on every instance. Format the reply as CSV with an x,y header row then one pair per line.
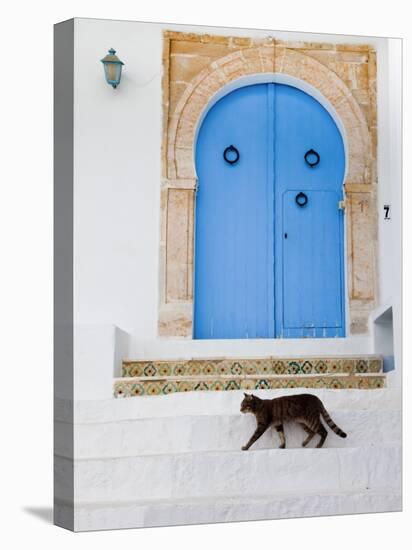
x,y
312,158
231,154
301,199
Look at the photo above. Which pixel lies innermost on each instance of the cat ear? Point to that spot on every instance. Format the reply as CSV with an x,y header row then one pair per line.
x,y
245,394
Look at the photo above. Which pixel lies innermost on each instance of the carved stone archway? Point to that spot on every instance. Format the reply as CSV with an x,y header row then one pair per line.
x,y
260,58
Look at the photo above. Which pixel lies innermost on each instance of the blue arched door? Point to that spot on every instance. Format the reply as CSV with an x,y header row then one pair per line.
x,y
269,232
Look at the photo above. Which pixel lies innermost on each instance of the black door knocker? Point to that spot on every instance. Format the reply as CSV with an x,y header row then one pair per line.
x,y
312,158
301,199
231,154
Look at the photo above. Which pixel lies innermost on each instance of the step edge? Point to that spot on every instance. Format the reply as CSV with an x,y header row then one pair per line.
x,y
232,415
261,376
381,491
294,450
164,453
256,358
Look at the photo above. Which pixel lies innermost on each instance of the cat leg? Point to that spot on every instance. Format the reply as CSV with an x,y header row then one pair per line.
x,y
323,433
310,435
261,428
282,436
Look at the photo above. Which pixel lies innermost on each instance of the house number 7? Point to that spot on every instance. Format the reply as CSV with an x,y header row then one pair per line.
x,y
387,211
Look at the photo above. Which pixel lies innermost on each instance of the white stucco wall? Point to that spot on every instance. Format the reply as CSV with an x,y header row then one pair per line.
x,y
117,143
389,167
390,193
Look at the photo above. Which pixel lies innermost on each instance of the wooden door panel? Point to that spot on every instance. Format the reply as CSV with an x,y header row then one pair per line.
x,y
312,304
251,282
314,246
234,278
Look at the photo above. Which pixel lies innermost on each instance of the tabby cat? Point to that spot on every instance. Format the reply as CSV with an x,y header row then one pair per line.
x,y
306,409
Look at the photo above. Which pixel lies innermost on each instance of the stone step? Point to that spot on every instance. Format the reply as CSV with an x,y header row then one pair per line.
x,y
214,403
164,512
261,366
176,349
195,433
151,386
260,472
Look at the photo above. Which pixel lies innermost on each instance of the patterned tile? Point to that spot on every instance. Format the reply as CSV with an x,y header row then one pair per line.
x,y
133,371
262,385
241,367
164,377
121,389
361,366
264,366
165,369
335,384
137,389
223,368
209,369
306,367
377,382
184,386
201,386
252,369
348,366
321,366
194,369
180,370
247,384
293,367
130,388
279,367
150,370
236,369
169,387
153,388
233,385
375,365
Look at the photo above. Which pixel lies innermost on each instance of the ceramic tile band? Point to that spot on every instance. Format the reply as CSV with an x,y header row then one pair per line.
x,y
239,367
132,388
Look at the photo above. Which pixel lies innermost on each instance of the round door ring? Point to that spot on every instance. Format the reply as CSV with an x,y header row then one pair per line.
x,y
301,199
312,153
231,154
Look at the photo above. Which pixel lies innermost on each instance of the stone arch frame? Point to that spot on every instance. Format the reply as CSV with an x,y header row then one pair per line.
x,y
264,62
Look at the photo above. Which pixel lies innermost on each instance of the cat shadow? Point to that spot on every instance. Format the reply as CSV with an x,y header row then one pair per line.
x,y
43,513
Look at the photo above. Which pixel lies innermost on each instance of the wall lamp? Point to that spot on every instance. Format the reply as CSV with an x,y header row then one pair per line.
x,y
112,68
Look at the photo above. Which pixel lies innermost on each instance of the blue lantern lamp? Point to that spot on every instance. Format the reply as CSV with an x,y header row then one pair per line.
x,y
112,68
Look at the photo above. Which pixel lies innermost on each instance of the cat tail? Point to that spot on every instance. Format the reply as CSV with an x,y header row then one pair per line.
x,y
330,422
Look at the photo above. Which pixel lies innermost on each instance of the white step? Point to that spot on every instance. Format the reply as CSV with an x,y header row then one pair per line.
x,y
215,403
217,474
156,513
217,433
175,348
